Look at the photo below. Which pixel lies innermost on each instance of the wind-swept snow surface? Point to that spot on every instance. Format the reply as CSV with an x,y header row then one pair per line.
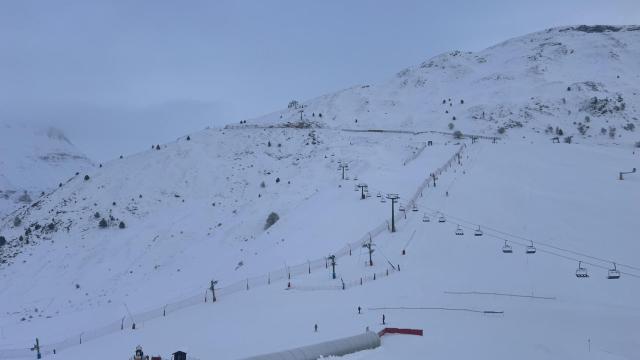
x,y
578,79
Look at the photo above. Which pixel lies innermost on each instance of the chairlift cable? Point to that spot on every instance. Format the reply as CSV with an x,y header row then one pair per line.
x,y
539,243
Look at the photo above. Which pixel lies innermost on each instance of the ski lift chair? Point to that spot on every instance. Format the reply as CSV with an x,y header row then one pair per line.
x,y
401,208
459,231
379,195
441,219
425,218
613,273
531,249
507,248
581,272
478,232
415,207
383,200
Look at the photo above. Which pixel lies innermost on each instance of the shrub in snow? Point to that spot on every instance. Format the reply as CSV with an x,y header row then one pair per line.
x,y
271,219
457,134
188,138
103,223
17,222
638,144
25,198
3,241
262,184
501,130
582,128
269,143
612,132
277,180
122,225
86,178
567,139
96,215
559,131
121,157
629,126
450,126
157,147
461,101
603,131
293,104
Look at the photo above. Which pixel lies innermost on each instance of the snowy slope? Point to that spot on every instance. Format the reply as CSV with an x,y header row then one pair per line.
x,y
439,268
34,159
561,77
194,210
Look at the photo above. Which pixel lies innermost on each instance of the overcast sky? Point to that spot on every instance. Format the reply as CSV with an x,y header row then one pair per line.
x,y
117,76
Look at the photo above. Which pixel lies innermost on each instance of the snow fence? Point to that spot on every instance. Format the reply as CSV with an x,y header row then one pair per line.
x,y
289,273
339,347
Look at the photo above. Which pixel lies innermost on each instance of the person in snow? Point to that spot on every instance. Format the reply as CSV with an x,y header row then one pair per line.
x,y
359,309
383,320
315,328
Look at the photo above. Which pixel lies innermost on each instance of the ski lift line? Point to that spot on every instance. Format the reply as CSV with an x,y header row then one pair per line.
x,y
559,255
499,294
438,308
409,241
538,242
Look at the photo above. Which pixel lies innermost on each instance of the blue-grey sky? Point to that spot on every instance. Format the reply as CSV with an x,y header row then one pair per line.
x,y
120,75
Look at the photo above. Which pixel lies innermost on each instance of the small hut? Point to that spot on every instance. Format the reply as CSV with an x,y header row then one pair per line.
x,y
179,355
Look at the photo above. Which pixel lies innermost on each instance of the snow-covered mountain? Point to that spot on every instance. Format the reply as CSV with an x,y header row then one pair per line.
x,y
116,243
34,159
583,80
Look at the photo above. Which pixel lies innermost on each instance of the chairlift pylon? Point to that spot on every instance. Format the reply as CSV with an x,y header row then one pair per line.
x,y
613,273
531,249
581,272
507,248
478,232
459,231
